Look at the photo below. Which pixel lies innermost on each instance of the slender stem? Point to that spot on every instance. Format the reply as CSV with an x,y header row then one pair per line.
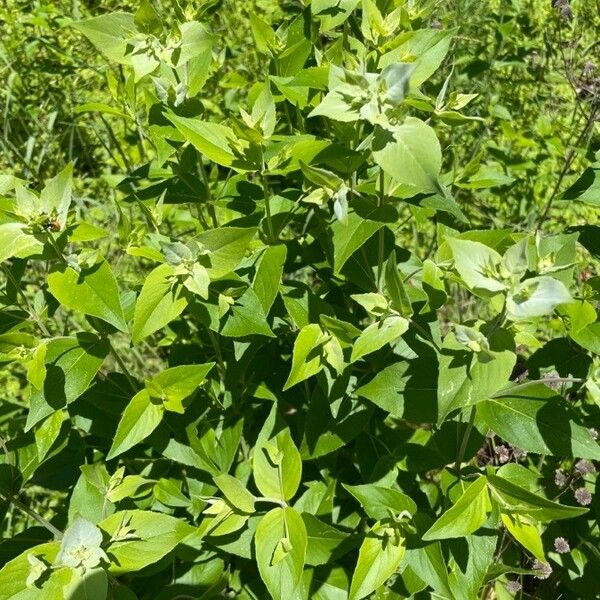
x,y
209,204
57,533
267,195
465,440
30,309
381,233
123,368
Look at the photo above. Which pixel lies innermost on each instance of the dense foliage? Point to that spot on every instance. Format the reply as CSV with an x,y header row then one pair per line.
x,y
299,299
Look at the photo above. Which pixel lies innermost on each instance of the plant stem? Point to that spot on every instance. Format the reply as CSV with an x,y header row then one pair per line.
x,y
267,195
465,440
123,368
57,533
381,233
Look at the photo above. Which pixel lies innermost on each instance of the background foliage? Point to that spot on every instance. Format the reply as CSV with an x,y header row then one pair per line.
x,y
299,299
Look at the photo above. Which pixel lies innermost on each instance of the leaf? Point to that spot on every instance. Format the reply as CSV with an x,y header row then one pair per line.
x,y
478,266
377,335
324,542
140,538
379,558
210,139
307,357
160,301
410,154
71,364
235,492
268,275
395,287
587,188
277,464
467,515
380,502
537,420
109,33
526,533
350,236
140,418
80,546
536,297
15,242
227,247
174,385
55,198
281,572
93,291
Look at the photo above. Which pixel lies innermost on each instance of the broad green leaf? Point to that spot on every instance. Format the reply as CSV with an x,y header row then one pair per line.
x,y
381,502
268,275
227,247
526,532
55,198
71,364
467,515
212,140
93,291
521,501
174,385
140,418
478,265
395,287
379,558
235,492
160,301
277,464
410,154
536,297
14,241
536,419
324,540
348,237
377,335
307,358
141,538
280,545
109,33
80,546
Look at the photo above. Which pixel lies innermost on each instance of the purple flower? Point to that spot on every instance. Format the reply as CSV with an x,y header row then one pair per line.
x,y
518,453
559,478
585,467
583,496
593,433
502,453
544,570
566,12
561,545
513,586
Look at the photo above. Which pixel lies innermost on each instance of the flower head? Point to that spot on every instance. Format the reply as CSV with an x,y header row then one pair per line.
x,y
544,570
585,467
502,453
583,496
560,478
513,586
561,545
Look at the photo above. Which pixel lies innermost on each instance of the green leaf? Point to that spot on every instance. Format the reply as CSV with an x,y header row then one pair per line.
x,y
71,365
536,297
160,301
276,464
467,515
526,532
307,358
227,247
377,335
55,198
395,287
324,541
478,266
521,501
280,565
109,33
268,275
140,538
140,418
410,154
380,502
235,492
379,558
80,546
536,419
15,242
174,385
93,291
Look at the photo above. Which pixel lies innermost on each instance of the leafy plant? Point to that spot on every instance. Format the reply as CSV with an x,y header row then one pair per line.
x,y
285,358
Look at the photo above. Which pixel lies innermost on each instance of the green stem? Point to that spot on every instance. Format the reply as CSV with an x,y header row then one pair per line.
x,y
381,233
123,368
465,440
57,533
267,195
